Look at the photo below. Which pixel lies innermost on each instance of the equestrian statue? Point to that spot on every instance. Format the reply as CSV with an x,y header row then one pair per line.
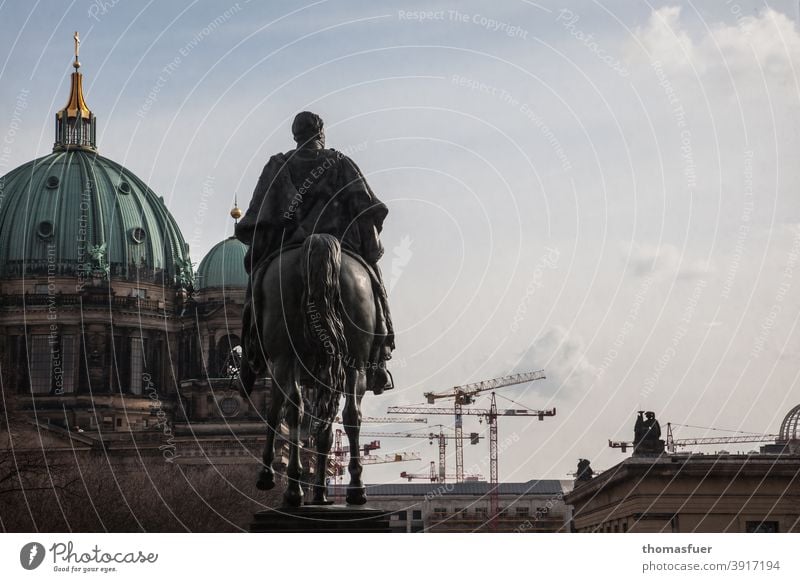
x,y
316,320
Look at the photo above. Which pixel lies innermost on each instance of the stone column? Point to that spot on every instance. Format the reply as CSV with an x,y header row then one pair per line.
x,y
211,360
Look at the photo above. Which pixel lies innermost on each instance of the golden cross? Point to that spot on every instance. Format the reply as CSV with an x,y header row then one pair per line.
x,y
77,38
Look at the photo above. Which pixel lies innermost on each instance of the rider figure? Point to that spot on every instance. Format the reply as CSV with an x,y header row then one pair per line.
x,y
311,190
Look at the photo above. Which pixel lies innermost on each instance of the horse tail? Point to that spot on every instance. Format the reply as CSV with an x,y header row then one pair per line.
x,y
324,325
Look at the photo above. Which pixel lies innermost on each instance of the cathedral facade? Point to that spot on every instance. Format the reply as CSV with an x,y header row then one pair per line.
x,y
106,329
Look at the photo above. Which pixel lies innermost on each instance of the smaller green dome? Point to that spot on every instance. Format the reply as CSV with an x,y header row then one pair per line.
x,y
223,266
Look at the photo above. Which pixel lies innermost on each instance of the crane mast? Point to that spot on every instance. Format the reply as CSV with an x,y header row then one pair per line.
x,y
442,456
459,427
494,499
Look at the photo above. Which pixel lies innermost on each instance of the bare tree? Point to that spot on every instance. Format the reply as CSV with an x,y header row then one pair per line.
x,y
87,491
144,495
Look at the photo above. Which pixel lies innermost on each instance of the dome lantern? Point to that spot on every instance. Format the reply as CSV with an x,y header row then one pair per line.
x,y
75,123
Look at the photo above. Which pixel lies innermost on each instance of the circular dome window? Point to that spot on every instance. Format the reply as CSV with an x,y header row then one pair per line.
x,y
138,234
45,229
229,406
52,182
124,187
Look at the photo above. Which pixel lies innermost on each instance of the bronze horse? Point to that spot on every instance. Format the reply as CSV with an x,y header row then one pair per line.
x,y
317,316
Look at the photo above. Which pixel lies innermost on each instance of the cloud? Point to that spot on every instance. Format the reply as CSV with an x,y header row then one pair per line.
x,y
401,255
768,41
563,358
664,260
663,40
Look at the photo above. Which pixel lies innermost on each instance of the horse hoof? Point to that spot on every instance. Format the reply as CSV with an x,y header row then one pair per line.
x,y
320,498
356,496
293,498
266,480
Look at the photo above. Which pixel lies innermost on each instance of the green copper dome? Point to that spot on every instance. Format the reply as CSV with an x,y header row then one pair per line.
x,y
223,266
74,212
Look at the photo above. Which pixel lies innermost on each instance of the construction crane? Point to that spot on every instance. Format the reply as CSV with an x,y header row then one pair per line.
x,y
390,458
386,420
491,414
441,439
671,443
466,394
339,452
432,476
367,448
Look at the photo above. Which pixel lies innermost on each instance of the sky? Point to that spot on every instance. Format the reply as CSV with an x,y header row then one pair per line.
x,y
604,190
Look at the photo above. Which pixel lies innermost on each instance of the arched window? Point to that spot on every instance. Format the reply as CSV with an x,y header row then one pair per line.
x,y
227,356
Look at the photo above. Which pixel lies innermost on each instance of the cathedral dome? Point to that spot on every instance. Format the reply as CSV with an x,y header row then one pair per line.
x,y
74,211
223,266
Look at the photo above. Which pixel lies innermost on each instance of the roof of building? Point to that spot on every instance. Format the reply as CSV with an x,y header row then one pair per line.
x,y
468,488
669,468
223,266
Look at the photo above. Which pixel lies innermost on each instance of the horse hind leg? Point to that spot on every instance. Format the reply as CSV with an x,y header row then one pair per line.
x,y
293,496
356,386
277,396
324,439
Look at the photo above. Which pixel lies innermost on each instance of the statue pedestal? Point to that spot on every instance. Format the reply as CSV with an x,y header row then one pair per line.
x,y
649,448
321,519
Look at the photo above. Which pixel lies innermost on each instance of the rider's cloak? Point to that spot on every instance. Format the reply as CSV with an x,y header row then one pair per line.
x,y
303,192
299,193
